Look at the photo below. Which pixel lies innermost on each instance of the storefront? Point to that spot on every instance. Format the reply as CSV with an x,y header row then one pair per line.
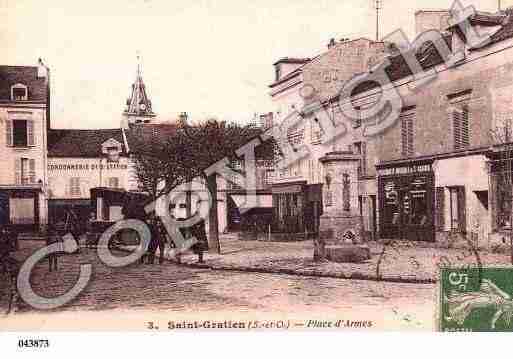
x,y
20,207
241,218
110,205
296,207
406,201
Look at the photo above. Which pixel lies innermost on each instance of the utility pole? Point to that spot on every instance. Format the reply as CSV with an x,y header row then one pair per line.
x,y
499,5
377,4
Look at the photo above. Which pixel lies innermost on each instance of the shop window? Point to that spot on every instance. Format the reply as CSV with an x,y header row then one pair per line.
x,y
407,118
457,209
22,210
503,190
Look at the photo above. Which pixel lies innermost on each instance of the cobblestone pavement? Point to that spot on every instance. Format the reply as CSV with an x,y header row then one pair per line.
x,y
178,288
406,262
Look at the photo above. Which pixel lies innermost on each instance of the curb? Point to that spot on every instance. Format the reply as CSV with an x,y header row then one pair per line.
x,y
300,273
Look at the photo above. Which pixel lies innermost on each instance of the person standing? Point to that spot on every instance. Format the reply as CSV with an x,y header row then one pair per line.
x,y
53,237
198,231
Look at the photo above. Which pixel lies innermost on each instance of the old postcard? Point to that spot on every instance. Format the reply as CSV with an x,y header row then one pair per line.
x,y
263,166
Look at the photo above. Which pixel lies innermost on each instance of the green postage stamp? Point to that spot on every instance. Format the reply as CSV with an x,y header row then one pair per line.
x,y
476,299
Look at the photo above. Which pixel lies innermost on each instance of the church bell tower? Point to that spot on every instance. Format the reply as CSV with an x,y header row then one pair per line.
x,y
138,108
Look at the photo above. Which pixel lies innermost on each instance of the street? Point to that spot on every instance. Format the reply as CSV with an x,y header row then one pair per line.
x,y
170,287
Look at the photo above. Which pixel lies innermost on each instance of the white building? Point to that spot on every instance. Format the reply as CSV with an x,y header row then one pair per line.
x,y
24,101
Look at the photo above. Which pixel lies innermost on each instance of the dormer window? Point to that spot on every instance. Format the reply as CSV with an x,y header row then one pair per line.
x,y
19,92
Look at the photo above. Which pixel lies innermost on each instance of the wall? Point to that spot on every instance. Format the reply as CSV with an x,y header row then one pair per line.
x,y
37,152
328,72
431,19
89,172
490,77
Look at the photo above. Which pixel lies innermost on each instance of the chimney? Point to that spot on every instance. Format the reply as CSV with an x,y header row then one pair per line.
x,y
331,43
182,119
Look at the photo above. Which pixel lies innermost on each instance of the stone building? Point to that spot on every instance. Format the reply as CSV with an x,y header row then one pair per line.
x,y
80,160
297,189
432,171
24,120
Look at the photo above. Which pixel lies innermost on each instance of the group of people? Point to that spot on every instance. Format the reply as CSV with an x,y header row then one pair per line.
x,y
159,237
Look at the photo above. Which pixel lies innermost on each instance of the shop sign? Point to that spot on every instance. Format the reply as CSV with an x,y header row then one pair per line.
x,y
404,170
86,166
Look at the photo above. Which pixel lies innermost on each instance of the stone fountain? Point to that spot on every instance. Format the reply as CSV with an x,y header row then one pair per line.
x,y
341,225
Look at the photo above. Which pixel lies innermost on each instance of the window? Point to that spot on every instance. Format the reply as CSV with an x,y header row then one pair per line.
x,y
20,133
460,118
358,120
277,72
461,131
295,136
316,132
407,117
25,170
114,182
74,186
19,92
360,148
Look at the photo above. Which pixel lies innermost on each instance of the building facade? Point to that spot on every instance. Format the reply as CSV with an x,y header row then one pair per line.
x,y
81,160
24,101
433,171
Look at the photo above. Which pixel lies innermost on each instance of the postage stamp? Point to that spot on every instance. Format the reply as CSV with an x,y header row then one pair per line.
x,y
476,299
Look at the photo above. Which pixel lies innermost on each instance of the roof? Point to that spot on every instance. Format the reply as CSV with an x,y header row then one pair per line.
x,y
139,102
149,132
292,60
26,75
81,143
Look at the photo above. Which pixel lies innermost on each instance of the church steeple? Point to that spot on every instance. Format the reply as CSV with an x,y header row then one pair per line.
x,y
138,106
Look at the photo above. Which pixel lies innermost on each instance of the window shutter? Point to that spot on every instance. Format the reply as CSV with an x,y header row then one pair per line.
x,y
364,158
456,126
8,132
17,170
32,170
30,133
409,122
69,188
404,138
407,134
440,208
465,129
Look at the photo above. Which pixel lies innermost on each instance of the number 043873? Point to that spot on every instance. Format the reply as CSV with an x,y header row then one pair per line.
x,y
33,343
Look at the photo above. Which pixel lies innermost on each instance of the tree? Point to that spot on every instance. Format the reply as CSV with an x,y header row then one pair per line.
x,y
209,142
157,152
166,156
502,172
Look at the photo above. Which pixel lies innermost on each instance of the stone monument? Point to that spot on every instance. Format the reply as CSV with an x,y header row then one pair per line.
x,y
341,225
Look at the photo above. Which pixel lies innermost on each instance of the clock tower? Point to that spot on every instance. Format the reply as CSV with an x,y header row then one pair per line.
x,y
138,108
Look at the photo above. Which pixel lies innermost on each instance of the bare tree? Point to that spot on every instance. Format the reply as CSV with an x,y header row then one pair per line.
x,y
209,142
501,168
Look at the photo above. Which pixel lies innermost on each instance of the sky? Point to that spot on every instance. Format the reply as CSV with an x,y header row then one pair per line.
x,y
207,58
